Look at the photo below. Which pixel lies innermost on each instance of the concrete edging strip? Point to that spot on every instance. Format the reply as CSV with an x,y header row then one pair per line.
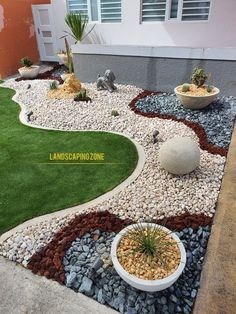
x,y
82,207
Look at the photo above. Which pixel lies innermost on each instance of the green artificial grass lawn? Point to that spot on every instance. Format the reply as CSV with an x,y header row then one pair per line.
x,y
31,185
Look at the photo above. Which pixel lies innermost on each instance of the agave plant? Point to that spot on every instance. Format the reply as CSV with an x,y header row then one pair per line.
x,y
152,242
77,24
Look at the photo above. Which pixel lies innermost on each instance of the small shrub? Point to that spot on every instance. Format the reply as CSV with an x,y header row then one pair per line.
x,y
185,87
26,62
199,77
53,85
114,112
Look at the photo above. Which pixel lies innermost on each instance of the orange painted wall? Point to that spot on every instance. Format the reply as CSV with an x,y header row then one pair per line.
x,y
17,34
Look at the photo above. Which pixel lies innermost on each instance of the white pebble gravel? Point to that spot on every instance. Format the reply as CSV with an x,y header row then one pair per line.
x,y
155,194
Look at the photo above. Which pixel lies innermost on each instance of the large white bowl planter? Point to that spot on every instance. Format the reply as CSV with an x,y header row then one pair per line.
x,y
196,102
29,72
142,284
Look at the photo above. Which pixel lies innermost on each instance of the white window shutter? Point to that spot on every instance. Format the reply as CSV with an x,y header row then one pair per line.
x,y
195,10
78,6
110,11
153,10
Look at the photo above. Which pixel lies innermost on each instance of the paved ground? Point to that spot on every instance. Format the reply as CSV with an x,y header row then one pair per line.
x,y
217,294
22,292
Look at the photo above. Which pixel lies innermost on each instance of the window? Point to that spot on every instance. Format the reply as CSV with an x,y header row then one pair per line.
x,y
180,10
104,11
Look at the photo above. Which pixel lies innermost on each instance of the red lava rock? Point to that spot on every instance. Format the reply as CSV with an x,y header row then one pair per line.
x,y
57,261
52,267
185,221
45,76
198,129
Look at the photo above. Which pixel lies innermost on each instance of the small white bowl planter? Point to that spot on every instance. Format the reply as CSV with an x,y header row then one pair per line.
x,y
142,284
29,72
196,102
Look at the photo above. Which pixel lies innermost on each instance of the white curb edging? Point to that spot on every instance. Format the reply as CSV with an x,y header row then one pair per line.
x,y
82,207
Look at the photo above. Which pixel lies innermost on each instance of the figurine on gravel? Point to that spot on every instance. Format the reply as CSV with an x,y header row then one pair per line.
x,y
106,81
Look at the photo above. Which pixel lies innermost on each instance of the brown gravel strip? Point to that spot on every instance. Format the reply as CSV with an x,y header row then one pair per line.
x,y
49,260
45,75
198,129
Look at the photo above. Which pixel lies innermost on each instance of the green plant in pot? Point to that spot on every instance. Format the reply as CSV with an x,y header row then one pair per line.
x,y
29,70
77,24
197,95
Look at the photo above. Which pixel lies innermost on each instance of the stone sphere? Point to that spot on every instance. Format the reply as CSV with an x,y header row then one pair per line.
x,y
179,155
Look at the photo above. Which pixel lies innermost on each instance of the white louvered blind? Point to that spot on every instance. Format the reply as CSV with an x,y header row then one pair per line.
x,y
153,10
77,6
194,10
110,11
181,10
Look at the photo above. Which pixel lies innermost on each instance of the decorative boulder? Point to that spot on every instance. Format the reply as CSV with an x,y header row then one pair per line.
x,y
179,155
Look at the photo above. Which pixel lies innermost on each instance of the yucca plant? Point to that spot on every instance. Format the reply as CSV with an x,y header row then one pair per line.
x,y
152,242
77,24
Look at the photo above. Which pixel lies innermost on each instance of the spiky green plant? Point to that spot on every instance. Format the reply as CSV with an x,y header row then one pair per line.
x,y
199,77
77,24
152,242
26,61
53,85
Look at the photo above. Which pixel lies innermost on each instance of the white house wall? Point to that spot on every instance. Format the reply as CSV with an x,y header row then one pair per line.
x,y
219,31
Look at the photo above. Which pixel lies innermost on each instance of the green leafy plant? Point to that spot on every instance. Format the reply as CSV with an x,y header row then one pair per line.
x,y
199,77
114,112
77,24
53,85
185,87
26,61
151,241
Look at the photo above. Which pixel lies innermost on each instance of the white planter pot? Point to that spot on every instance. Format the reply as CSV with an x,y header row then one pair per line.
x,y
62,58
142,284
196,102
29,72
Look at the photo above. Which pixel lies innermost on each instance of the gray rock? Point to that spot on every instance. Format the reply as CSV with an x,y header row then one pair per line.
x,y
86,286
70,279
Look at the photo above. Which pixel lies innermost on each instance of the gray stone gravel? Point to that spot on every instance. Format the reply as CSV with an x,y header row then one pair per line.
x,y
217,119
106,286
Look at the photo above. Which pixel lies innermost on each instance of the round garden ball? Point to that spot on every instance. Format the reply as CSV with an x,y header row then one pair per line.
x,y
179,155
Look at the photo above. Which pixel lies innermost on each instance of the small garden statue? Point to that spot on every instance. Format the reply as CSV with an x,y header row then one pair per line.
x,y
29,114
155,135
106,81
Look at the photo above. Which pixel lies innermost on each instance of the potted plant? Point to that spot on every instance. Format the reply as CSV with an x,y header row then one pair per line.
x,y
197,95
28,70
77,24
148,256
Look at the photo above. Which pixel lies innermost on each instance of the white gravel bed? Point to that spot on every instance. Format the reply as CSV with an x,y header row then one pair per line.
x,y
155,193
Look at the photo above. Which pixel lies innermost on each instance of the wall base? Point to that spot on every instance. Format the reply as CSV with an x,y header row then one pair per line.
x,y
154,73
